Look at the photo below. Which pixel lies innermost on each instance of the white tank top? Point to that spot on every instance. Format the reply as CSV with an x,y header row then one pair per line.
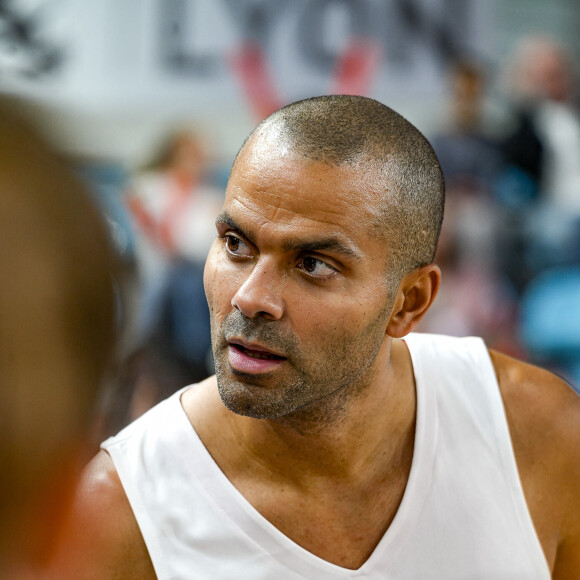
x,y
463,515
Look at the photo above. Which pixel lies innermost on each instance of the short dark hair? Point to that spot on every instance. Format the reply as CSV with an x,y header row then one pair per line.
x,y
354,130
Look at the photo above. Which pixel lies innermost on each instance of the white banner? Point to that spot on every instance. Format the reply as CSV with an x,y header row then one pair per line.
x,y
208,52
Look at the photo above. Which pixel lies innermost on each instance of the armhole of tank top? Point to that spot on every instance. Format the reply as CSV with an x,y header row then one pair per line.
x,y
117,451
511,471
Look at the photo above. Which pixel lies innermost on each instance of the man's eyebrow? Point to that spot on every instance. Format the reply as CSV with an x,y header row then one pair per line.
x,y
333,244
224,218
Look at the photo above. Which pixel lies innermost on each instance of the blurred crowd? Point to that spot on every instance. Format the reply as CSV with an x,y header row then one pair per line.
x,y
510,246
166,213
509,146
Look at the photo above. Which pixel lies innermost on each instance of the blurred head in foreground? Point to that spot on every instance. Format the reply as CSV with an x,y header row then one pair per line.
x,y
56,339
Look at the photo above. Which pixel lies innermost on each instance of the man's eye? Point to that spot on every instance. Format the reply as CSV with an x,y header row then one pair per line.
x,y
316,268
237,247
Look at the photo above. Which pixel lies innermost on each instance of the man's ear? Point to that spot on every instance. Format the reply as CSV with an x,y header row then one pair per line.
x,y
414,297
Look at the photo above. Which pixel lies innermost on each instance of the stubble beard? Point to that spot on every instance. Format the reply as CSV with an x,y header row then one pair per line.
x,y
256,396
314,396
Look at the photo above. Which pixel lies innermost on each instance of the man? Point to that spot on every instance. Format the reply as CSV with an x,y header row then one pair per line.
x,y
57,324
326,446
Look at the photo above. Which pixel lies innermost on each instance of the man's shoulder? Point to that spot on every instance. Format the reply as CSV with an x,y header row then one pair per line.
x,y
101,490
543,411
543,414
103,539
538,399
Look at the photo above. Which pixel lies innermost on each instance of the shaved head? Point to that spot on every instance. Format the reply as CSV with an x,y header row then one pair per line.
x,y
363,133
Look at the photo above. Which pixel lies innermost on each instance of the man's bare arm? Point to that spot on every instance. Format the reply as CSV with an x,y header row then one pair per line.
x,y
102,540
544,420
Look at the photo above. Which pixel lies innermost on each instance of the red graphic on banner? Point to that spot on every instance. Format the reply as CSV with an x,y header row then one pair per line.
x,y
356,68
257,83
354,72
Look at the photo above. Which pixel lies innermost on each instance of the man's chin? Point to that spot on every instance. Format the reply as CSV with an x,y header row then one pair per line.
x,y
244,395
242,403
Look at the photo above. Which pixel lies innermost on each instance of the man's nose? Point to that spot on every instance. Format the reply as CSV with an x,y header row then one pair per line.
x,y
261,292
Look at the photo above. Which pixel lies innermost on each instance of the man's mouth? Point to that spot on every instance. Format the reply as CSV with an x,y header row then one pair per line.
x,y
252,359
259,354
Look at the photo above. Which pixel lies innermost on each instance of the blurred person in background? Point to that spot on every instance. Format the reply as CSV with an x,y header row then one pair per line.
x,y
173,203
540,198
540,189
467,144
543,91
57,336
474,298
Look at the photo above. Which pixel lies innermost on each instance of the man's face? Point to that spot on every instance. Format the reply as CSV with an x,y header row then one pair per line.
x,y
296,283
